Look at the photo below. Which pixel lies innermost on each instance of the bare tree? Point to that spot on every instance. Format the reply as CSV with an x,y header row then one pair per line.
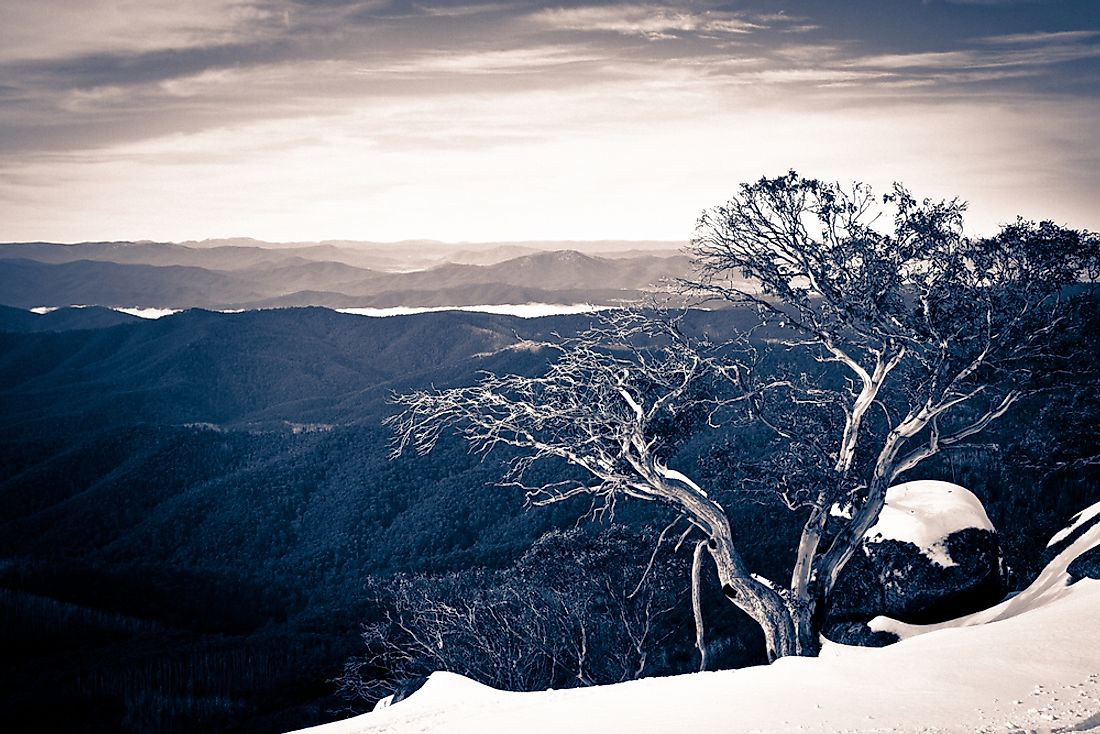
x,y
571,612
923,336
600,408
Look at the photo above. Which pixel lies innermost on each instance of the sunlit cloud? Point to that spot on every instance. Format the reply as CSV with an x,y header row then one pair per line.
x,y
505,61
651,21
571,163
49,29
665,21
293,119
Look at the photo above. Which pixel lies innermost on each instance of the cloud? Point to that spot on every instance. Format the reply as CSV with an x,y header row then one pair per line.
x,y
313,118
1041,51
1030,60
565,163
1042,37
649,21
51,29
505,61
457,11
131,68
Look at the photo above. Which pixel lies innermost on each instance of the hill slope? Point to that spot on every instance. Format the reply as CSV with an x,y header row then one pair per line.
x,y
192,505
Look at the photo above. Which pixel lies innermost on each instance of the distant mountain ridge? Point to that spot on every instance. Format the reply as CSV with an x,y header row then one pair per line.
x,y
17,320
300,365
234,276
388,256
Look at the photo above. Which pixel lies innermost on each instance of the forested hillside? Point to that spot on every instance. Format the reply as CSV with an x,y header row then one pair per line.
x,y
199,511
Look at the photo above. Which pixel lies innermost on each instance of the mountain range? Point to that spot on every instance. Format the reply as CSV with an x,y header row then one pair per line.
x,y
243,274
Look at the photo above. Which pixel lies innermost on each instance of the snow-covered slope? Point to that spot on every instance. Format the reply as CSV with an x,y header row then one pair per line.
x,y
1079,520
1036,669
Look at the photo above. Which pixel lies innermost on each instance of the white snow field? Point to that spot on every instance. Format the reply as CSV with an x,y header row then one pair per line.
x,y
1030,664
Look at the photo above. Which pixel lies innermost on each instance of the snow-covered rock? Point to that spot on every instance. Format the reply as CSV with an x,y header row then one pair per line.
x,y
1054,582
926,513
932,555
1086,566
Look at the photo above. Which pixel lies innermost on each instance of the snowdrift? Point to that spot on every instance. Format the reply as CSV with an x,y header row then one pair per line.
x,y
1029,664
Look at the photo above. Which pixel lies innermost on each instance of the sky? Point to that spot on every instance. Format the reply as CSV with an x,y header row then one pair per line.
x,y
306,120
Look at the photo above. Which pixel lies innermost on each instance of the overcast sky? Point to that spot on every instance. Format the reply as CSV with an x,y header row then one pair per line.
x,y
472,121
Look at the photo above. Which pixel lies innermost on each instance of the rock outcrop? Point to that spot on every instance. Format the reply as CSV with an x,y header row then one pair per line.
x,y
932,556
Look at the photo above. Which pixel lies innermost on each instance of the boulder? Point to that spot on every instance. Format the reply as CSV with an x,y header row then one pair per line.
x,y
933,555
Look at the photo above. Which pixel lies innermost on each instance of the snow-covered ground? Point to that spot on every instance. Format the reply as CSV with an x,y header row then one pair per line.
x,y
1079,520
1031,664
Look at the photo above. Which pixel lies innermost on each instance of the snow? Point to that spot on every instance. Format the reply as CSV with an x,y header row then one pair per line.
x,y
1078,520
924,513
1036,670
